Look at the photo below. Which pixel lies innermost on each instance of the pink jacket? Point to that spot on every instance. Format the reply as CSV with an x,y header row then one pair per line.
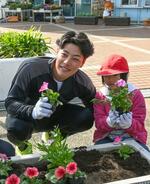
x,y
137,129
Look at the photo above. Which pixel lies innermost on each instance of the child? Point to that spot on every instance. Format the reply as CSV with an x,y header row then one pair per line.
x,y
129,125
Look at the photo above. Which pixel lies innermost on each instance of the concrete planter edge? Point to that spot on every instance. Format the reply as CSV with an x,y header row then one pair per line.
x,y
32,158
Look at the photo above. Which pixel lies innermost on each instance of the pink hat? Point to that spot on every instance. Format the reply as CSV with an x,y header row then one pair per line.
x,y
114,64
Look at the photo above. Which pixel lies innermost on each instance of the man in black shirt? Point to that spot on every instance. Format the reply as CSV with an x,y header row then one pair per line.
x,y
28,113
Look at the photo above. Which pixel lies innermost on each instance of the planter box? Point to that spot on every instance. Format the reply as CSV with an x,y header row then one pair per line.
x,y
86,20
117,21
102,148
8,68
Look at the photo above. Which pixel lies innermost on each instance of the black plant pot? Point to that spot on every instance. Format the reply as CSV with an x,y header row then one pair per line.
x,y
120,111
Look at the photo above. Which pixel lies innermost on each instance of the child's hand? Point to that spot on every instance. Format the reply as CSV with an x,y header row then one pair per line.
x,y
125,120
112,119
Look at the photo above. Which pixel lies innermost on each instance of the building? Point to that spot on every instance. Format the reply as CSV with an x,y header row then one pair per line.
x,y
70,8
137,10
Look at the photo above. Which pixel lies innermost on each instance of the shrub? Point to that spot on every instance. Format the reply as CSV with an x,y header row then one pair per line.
x,y
26,44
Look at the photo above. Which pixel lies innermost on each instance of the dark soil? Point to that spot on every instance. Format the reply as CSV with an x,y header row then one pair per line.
x,y
108,167
105,167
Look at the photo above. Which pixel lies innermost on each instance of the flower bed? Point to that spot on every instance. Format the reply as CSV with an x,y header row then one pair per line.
x,y
102,164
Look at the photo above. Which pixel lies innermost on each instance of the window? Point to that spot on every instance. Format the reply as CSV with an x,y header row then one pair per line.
x,y
129,2
147,2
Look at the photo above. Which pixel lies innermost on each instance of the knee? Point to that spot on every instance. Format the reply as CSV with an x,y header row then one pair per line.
x,y
86,119
15,136
89,118
18,130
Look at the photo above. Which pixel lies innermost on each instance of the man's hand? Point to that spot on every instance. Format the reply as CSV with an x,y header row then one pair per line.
x,y
125,120
42,109
112,119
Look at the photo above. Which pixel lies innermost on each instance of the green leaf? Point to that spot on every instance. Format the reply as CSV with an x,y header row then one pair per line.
x,y
27,44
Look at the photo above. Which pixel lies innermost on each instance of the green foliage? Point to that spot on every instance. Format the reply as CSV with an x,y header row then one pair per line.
x,y
37,6
15,5
52,97
125,151
27,180
26,44
56,152
120,99
5,167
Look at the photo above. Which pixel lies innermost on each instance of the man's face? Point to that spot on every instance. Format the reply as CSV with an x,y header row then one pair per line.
x,y
68,61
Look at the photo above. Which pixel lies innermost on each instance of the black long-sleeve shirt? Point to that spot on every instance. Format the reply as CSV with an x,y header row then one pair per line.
x,y
24,90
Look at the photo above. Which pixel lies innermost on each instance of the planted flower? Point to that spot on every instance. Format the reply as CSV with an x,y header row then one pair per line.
x,y
61,167
5,165
124,150
30,176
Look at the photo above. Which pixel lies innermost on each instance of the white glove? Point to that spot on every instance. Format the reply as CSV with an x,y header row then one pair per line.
x,y
42,109
112,119
125,120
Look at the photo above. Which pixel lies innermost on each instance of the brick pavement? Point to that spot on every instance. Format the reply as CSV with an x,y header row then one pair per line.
x,y
133,42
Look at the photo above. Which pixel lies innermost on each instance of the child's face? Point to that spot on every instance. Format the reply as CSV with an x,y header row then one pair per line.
x,y
110,80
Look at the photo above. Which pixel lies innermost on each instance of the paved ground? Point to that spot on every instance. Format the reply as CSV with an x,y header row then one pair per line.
x,y
133,42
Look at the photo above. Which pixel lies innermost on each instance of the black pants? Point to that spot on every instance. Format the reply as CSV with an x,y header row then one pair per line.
x,y
70,118
6,148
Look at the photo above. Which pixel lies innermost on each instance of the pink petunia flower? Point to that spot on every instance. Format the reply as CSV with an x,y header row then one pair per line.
x,y
12,179
3,157
43,87
31,172
117,139
60,172
71,168
120,83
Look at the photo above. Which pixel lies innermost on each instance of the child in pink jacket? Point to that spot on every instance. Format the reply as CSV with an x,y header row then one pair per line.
x,y
130,124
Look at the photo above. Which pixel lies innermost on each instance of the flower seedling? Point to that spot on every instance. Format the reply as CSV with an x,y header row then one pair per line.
x,y
119,97
125,151
60,158
53,97
61,168
5,165
56,152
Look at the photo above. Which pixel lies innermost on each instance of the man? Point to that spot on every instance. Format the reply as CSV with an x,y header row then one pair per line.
x,y
28,113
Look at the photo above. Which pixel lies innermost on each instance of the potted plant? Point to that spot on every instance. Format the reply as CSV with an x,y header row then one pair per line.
x,y
86,19
16,47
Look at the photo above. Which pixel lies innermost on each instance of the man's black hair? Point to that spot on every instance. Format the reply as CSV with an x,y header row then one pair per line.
x,y
80,39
